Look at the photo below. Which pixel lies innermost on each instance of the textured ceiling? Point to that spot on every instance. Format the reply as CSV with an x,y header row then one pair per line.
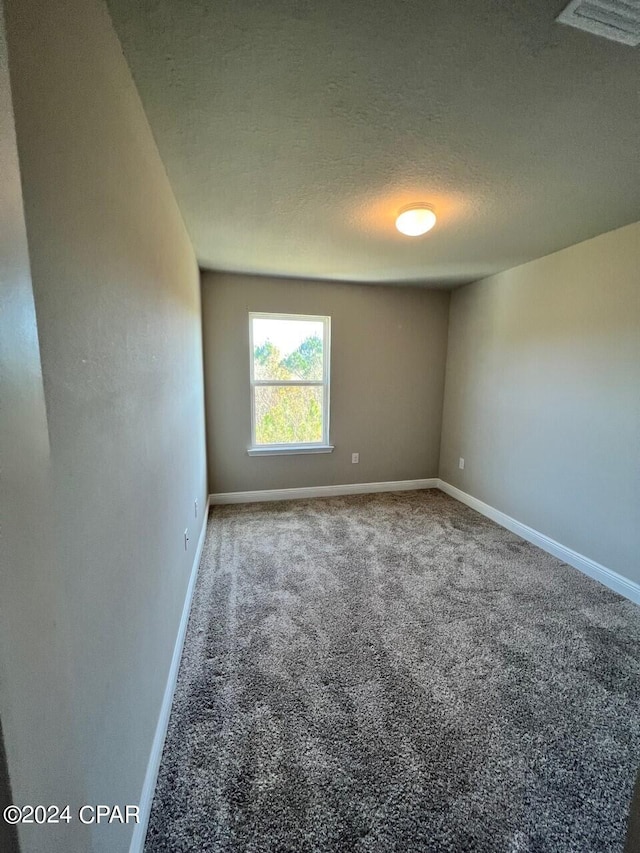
x,y
293,131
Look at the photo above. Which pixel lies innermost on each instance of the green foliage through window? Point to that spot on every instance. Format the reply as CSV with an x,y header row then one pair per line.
x,y
289,414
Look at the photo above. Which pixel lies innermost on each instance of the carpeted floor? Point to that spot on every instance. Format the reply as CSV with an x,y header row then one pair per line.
x,y
394,672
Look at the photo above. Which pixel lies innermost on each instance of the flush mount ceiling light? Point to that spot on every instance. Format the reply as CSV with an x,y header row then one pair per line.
x,y
416,219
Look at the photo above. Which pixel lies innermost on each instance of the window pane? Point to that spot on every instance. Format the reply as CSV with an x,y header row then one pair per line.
x,y
288,414
287,349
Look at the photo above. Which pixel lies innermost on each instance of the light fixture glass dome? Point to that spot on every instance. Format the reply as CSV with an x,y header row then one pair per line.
x,y
416,219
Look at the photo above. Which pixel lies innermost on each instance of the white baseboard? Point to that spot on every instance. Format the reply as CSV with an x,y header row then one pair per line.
x,y
618,583
321,491
151,776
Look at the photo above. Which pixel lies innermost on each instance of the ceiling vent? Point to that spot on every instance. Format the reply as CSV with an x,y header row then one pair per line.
x,y
618,20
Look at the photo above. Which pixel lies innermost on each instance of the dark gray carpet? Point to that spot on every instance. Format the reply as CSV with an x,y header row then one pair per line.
x,y
397,673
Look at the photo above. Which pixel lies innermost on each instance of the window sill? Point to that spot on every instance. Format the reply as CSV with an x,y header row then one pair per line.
x,y
290,449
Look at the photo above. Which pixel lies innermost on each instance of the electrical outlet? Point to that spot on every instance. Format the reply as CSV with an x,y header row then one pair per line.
x,y
461,463
355,458
195,508
186,539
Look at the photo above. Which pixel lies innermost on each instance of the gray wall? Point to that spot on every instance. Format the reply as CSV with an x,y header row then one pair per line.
x,y
543,396
95,587
29,642
388,348
8,831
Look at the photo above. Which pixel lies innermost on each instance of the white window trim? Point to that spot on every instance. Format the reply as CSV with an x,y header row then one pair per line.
x,y
308,447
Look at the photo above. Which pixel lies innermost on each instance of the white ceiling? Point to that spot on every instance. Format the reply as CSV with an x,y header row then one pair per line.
x,y
293,131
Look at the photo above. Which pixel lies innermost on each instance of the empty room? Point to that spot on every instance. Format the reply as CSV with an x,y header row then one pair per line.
x,y
320,426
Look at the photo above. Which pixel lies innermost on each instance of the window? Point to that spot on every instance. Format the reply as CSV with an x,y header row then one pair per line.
x,y
289,383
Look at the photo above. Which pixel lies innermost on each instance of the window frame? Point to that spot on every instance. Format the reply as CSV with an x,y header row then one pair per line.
x,y
322,446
